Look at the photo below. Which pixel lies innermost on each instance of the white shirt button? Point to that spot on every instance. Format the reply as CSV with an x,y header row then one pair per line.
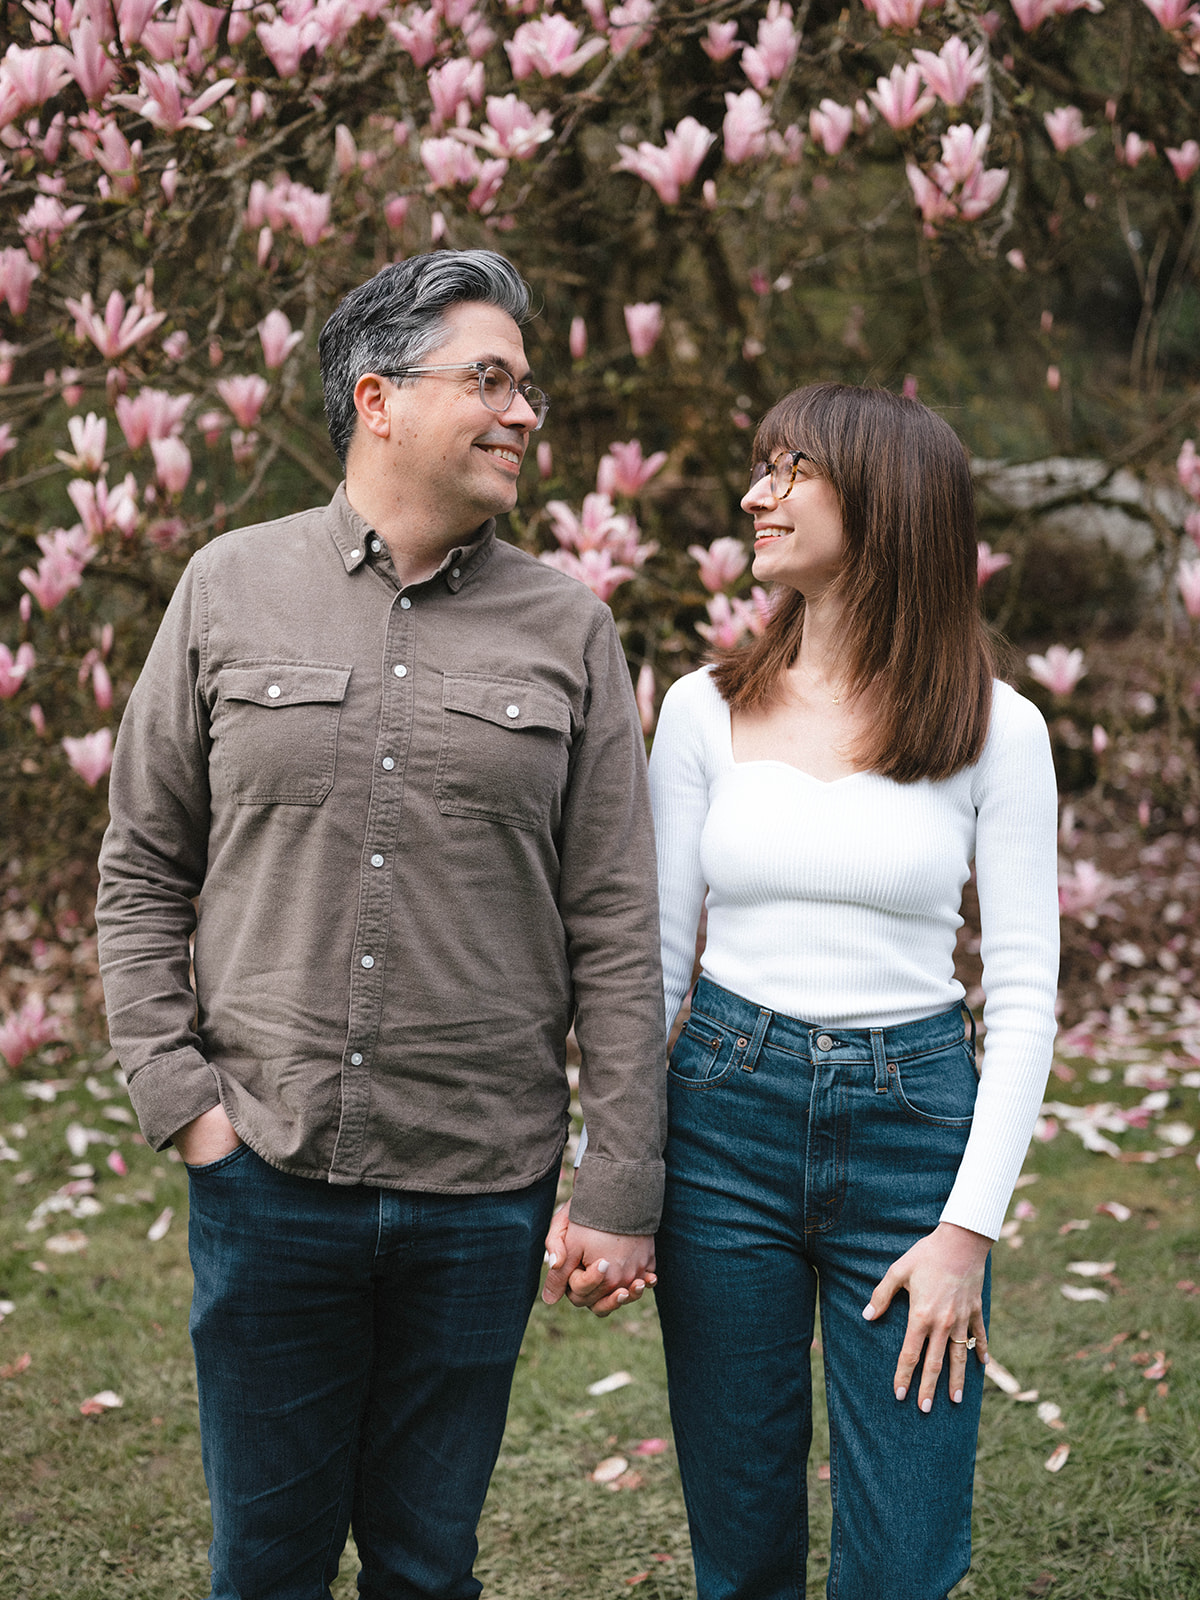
x,y
377,860
824,1042
512,711
455,572
356,1059
376,547
400,670
405,603
354,554
368,962
387,763
274,691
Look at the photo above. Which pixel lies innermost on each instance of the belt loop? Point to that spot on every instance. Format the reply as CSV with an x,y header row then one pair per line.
x,y
750,1059
970,1016
879,1056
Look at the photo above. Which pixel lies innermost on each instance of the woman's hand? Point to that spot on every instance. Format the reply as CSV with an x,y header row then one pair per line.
x,y
943,1274
594,1269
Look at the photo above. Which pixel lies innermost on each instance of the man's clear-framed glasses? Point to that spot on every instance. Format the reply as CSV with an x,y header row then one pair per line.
x,y
781,471
496,386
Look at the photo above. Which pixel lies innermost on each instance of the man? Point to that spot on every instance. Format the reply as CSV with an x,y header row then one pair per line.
x,y
396,766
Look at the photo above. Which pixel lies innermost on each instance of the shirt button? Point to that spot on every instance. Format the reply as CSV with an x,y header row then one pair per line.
x,y
824,1042
274,691
356,1059
376,860
387,763
455,572
376,547
400,670
405,603
354,554
512,711
368,962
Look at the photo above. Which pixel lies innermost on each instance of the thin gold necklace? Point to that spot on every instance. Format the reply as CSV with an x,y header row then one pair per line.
x,y
822,687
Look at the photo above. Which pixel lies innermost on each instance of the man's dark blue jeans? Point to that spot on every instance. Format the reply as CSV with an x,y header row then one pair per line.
x,y
355,1349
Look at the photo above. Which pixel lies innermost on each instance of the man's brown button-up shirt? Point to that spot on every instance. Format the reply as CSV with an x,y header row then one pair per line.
x,y
410,829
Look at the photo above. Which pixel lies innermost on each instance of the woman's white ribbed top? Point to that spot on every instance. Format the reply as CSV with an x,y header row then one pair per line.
x,y
838,902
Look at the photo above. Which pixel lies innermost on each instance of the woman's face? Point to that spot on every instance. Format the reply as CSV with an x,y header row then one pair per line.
x,y
798,538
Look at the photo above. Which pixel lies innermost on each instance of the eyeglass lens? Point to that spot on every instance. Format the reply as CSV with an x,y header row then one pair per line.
x,y
782,472
497,387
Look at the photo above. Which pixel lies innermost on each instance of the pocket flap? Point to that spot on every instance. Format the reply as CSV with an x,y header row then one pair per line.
x,y
506,702
284,683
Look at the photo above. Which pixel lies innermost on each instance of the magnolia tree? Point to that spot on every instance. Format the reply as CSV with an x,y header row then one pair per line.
x,y
995,208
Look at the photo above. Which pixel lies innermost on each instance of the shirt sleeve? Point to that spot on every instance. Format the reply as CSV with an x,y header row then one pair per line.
x,y
1016,868
679,787
152,865
609,909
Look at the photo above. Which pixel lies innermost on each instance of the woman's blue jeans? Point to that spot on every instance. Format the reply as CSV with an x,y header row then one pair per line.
x,y
355,1349
802,1161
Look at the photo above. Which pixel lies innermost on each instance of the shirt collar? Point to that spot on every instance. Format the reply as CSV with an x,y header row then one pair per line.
x,y
352,534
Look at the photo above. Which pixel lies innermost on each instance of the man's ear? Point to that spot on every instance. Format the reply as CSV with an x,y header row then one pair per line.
x,y
371,403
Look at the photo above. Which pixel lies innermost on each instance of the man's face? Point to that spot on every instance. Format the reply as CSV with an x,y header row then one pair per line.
x,y
455,456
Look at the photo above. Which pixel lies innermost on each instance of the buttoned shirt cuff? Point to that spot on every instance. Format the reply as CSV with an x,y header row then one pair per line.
x,y
171,1091
618,1196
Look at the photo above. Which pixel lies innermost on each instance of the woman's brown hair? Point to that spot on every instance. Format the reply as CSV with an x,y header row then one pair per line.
x,y
913,629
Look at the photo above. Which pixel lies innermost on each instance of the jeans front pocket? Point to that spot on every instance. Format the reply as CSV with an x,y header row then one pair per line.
x,y
705,1054
505,744
274,731
937,1087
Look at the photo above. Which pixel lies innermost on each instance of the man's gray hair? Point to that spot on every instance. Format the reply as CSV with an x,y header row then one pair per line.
x,y
396,318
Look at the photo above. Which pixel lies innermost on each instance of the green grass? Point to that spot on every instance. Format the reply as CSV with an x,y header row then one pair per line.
x,y
114,1505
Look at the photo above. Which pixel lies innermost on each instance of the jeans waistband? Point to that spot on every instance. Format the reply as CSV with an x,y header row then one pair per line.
x,y
757,1025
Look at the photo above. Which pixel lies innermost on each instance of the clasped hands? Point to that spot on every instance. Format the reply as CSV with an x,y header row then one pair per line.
x,y
601,1271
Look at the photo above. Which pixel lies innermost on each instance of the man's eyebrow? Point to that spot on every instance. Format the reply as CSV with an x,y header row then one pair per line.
x,y
503,361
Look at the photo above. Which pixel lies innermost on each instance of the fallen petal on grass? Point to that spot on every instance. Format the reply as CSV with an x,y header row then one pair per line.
x,y
651,1447
106,1400
1057,1459
158,1228
609,1470
1070,1291
1050,1414
1114,1208
1092,1269
67,1244
13,1368
615,1380
1076,1225
1001,1376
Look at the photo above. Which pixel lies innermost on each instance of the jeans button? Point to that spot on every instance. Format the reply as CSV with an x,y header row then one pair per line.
x,y
824,1042
742,1043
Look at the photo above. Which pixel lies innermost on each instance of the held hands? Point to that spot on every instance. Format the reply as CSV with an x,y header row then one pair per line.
x,y
206,1138
594,1269
943,1274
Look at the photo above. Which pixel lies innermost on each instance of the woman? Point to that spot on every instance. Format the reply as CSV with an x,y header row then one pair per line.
x,y
827,788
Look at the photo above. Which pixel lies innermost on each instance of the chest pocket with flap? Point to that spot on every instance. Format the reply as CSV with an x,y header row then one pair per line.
x,y
504,750
275,729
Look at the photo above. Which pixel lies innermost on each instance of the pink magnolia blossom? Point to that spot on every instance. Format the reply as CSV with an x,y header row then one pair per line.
x,y
512,129
163,99
598,527
545,459
1187,466
14,668
58,572
935,206
455,83
1134,149
727,623
954,71
721,564
1065,126
395,210
745,126
345,151
550,46
121,327
120,161
89,438
278,338
989,562
902,14
172,464
666,170
8,354
629,25
962,154
1084,890
482,197
27,1030
153,414
448,161
593,567
644,695
644,323
1053,378
8,439
1032,13
245,397
90,755
775,48
1187,577
831,125
28,78
17,275
418,34
623,471
1185,160
1099,739
721,41
898,97
982,189
577,339
101,508
91,66
45,223
1171,14
284,44
1059,670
